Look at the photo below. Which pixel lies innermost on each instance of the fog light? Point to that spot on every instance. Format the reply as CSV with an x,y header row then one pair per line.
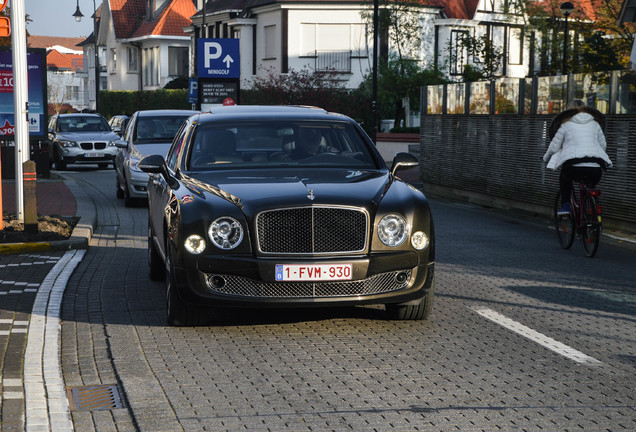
x,y
419,240
195,244
215,281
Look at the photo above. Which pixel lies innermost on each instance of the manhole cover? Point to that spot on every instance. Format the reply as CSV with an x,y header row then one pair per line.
x,y
101,397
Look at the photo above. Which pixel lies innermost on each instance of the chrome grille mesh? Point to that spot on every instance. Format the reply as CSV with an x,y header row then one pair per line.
x,y
241,286
312,230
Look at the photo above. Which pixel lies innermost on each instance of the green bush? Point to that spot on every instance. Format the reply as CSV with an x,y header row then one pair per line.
x,y
127,102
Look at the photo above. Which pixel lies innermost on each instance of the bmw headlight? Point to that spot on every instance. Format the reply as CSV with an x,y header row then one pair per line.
x,y
419,240
195,244
65,143
393,230
226,233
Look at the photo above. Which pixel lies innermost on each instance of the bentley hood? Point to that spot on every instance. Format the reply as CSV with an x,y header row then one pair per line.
x,y
254,191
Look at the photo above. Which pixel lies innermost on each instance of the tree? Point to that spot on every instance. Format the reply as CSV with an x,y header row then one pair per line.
x,y
598,42
490,57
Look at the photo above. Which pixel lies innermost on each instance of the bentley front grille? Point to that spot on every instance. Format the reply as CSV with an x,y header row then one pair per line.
x,y
312,230
241,286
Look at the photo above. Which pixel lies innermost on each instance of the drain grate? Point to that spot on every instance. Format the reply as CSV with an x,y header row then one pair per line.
x,y
101,397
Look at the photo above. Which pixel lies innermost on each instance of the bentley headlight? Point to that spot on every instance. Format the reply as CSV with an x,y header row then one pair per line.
x,y
419,240
195,244
393,230
65,143
226,232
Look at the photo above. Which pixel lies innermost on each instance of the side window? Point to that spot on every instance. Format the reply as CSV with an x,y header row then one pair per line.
x,y
177,145
128,134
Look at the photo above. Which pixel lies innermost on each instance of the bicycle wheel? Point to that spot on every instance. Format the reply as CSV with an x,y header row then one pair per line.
x,y
591,227
564,224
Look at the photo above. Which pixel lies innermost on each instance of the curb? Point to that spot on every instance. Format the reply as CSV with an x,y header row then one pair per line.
x,y
82,232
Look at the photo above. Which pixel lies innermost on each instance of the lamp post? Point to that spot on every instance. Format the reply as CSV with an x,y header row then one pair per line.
x,y
78,17
566,9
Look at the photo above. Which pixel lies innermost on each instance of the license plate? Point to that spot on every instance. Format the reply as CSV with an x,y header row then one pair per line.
x,y
94,155
313,272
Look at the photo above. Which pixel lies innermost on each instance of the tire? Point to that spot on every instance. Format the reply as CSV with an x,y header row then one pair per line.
x,y
591,227
120,192
156,267
180,314
60,165
413,312
128,200
564,224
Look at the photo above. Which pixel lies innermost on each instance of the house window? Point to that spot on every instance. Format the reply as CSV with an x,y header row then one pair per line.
x,y
458,54
132,60
178,61
113,59
333,45
515,46
270,42
71,93
151,66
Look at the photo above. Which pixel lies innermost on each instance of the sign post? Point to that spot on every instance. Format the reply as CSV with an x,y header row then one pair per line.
x,y
219,72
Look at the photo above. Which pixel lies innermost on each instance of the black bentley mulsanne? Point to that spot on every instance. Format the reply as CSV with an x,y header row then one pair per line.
x,y
285,206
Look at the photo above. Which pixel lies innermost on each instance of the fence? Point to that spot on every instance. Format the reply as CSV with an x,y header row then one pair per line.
x,y
499,157
488,138
610,92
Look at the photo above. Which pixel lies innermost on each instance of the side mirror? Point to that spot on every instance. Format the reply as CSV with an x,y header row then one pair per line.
x,y
121,144
156,164
402,161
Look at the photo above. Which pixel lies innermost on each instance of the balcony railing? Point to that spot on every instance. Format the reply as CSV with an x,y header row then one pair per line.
x,y
337,61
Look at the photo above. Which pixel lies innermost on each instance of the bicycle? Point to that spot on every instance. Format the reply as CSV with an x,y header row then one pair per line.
x,y
584,219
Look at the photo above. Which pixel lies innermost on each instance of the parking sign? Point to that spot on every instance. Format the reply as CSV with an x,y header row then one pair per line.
x,y
218,58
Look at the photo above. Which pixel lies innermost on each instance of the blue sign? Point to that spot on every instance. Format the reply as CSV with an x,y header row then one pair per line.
x,y
36,75
218,58
193,91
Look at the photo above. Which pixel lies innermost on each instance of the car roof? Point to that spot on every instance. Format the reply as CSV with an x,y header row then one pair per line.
x,y
165,112
269,112
79,115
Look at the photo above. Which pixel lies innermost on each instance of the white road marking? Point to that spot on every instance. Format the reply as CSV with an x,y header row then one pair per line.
x,y
535,336
44,392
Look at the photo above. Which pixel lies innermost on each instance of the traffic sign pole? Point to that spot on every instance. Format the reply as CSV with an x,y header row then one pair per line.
x,y
20,100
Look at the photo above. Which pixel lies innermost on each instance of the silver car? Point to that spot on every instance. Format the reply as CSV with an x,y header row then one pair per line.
x,y
148,132
80,139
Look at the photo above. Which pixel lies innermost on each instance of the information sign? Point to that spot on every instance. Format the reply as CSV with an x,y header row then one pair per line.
x,y
218,58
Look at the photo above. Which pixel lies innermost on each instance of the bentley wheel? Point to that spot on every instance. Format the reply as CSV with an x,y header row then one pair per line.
x,y
420,311
156,268
179,313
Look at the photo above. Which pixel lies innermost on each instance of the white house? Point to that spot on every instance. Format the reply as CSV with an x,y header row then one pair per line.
x,y
65,71
144,43
319,35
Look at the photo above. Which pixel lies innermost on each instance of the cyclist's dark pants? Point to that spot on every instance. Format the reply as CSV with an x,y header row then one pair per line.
x,y
583,174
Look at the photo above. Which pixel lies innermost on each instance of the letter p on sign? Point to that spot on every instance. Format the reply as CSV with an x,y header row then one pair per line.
x,y
211,51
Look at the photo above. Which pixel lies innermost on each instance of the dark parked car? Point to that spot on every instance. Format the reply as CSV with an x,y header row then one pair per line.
x,y
148,132
118,123
285,206
80,139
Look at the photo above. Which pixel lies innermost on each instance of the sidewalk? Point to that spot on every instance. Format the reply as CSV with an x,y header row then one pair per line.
x,y
55,196
29,277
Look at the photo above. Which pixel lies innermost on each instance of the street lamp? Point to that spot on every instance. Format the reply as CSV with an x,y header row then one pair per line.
x,y
78,17
567,9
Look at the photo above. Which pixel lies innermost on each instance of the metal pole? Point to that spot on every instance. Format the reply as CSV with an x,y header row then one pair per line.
x,y
374,96
20,99
97,74
565,47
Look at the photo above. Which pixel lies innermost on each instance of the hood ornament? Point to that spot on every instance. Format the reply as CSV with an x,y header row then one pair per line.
x,y
310,194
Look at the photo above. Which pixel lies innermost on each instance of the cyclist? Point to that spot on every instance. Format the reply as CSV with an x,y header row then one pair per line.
x,y
578,148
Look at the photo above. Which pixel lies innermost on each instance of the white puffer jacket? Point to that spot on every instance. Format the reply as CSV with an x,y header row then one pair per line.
x,y
579,137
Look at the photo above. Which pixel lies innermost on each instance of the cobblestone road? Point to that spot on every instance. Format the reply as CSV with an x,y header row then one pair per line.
x,y
350,369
